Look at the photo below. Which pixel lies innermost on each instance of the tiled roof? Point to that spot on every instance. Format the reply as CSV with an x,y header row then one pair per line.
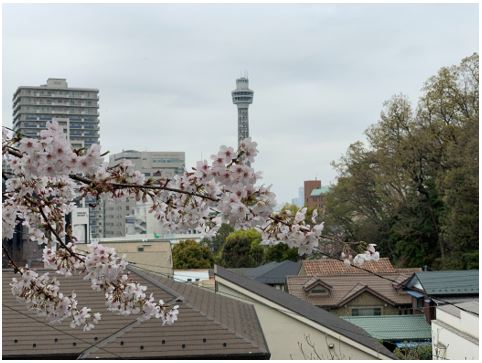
x,y
209,326
393,327
456,282
328,266
270,273
408,270
304,309
346,287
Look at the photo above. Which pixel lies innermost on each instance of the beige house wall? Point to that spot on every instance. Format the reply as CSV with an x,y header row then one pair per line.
x,y
455,338
366,300
289,337
156,257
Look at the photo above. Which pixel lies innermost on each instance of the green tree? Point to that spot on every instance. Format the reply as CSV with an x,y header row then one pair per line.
x,y
420,352
281,252
190,254
413,188
242,249
216,243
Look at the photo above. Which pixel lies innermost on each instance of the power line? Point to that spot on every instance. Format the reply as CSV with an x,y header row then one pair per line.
x,y
281,310
338,259
394,281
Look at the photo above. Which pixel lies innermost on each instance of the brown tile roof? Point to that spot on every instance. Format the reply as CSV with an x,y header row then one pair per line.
x,y
408,270
330,267
346,287
209,326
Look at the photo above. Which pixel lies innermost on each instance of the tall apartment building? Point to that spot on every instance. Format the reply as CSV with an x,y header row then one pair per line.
x,y
75,109
128,215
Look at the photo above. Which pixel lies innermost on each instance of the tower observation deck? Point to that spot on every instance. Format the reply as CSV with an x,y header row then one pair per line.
x,y
242,97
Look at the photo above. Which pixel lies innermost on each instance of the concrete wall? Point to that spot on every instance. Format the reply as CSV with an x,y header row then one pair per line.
x,y
455,337
156,255
290,338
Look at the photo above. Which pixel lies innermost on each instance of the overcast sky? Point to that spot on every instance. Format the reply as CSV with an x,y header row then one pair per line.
x,y
320,72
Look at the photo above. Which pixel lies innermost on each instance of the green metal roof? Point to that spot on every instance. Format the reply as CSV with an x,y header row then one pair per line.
x,y
458,282
393,327
319,191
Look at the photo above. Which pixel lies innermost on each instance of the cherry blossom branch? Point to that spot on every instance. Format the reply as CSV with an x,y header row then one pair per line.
x,y
48,174
52,229
11,261
137,186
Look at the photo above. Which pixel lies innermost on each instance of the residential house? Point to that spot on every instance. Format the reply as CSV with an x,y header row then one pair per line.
x,y
352,294
402,331
272,273
295,329
455,332
332,267
210,326
431,288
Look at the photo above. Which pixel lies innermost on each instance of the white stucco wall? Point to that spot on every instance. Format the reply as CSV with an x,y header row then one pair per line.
x,y
455,337
290,338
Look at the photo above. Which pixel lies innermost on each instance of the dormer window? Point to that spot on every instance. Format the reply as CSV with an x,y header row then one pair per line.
x,y
319,291
316,287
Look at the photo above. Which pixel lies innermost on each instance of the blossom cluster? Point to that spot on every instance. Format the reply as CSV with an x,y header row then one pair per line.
x,y
41,294
221,190
371,254
106,272
48,176
293,230
52,155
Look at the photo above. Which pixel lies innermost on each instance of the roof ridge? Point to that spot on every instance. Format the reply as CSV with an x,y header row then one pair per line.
x,y
212,317
307,310
357,287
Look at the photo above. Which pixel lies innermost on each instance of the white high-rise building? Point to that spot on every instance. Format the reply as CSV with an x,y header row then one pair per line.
x,y
123,216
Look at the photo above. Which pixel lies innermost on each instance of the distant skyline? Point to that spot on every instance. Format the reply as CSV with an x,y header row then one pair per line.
x,y
165,72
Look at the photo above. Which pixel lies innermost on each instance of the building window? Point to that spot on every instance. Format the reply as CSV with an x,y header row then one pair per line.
x,y
140,249
319,291
366,311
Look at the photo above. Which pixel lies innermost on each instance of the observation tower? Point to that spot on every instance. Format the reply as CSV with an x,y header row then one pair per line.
x,y
242,97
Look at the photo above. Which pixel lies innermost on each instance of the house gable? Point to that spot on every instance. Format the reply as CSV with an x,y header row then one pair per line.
x,y
287,321
316,287
358,290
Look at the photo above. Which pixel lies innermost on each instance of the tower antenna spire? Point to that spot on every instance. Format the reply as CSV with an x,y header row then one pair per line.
x,y
242,98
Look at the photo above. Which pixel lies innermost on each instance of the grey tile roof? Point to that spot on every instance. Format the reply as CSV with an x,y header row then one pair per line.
x,y
456,282
270,273
209,326
471,306
304,309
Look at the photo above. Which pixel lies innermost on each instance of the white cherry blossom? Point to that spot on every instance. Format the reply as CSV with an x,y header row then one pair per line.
x,y
48,176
